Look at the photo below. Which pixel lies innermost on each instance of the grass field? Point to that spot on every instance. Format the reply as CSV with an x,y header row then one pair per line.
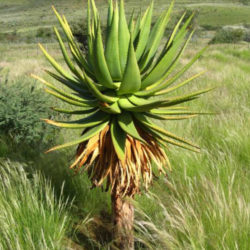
x,y
204,201
26,16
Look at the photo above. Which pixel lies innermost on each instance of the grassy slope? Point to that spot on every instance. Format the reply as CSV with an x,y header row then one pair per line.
x,y
28,16
204,202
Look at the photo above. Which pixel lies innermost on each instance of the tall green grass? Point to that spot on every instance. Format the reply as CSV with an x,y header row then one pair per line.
x,y
208,211
31,216
55,166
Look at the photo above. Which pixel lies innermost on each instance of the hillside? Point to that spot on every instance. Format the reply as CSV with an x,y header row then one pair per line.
x,y
202,203
26,16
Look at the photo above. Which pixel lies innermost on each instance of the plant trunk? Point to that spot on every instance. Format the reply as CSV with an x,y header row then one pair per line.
x,y
123,219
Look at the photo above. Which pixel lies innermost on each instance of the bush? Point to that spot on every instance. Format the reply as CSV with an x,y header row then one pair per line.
x,y
9,36
247,36
21,108
229,35
209,27
245,2
44,32
79,31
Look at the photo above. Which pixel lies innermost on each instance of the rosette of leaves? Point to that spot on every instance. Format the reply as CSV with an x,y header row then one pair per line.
x,y
117,87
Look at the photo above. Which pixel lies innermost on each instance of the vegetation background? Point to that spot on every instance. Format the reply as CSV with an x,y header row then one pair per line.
x,y
204,201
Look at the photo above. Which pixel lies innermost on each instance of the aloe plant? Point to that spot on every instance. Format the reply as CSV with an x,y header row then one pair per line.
x,y
115,85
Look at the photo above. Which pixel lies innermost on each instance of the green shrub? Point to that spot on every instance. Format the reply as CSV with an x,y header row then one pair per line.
x,y
4,149
209,27
229,35
79,31
44,32
247,36
9,36
21,108
245,2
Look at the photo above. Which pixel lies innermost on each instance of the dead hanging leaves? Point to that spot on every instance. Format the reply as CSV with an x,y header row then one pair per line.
x,y
97,156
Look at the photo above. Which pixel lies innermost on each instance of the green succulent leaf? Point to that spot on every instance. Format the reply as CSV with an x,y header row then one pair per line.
x,y
64,52
142,118
124,37
185,98
131,81
126,122
168,140
97,93
73,45
118,138
168,90
78,87
142,105
136,29
145,26
131,24
75,112
89,121
125,104
163,65
102,71
112,47
171,38
90,53
162,84
62,92
177,112
110,13
95,13
155,37
110,108
69,100
86,136
169,117
53,62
